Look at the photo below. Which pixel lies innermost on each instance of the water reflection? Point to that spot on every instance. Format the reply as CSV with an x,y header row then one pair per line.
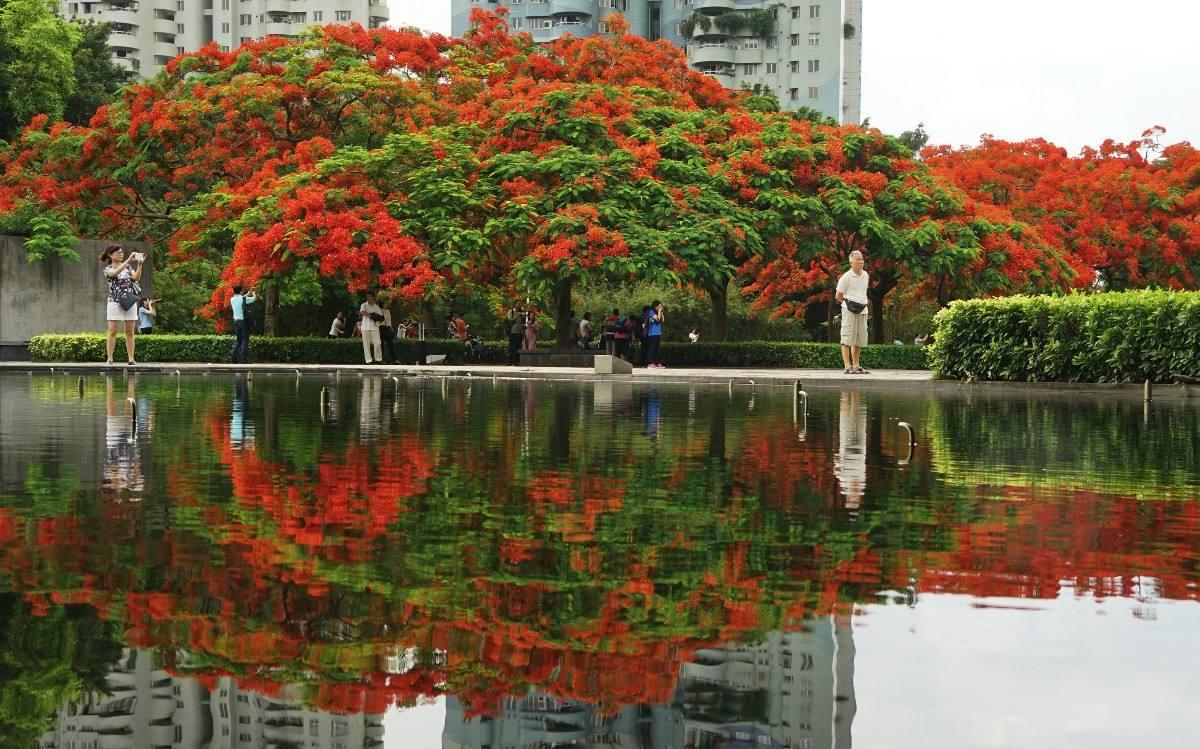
x,y
630,553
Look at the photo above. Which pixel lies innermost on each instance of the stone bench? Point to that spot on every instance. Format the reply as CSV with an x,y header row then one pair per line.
x,y
558,357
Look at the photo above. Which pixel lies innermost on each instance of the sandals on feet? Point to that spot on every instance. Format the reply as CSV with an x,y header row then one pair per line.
x,y
860,370
849,370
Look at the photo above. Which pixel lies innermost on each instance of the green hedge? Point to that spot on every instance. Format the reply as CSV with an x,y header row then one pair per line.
x,y
212,348
215,348
1110,337
771,354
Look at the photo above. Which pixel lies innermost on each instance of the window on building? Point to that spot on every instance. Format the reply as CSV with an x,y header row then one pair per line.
x,y
225,28
178,4
342,15
772,68
224,4
794,94
750,44
244,19
243,40
794,66
796,12
795,40
74,9
179,28
318,15
517,23
814,11
750,68
814,38
814,66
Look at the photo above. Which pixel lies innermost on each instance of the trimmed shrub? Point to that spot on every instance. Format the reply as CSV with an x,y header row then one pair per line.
x,y
1129,336
215,348
212,348
773,354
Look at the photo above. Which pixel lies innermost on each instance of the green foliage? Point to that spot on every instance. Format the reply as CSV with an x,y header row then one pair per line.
x,y
36,66
914,139
731,22
97,77
1116,337
183,287
761,23
697,20
84,347
788,355
51,234
686,310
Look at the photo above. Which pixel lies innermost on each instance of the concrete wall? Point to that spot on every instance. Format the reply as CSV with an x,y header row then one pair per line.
x,y
55,295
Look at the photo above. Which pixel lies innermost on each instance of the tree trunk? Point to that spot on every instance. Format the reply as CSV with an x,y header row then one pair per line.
x,y
877,295
831,332
720,311
427,318
271,311
562,313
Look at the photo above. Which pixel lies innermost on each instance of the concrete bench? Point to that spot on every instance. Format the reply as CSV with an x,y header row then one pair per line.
x,y
557,357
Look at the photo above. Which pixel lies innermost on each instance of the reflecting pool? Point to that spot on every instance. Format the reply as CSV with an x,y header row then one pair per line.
x,y
415,562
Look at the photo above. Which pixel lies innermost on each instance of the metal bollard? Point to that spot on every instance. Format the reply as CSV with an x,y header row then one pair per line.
x,y
912,442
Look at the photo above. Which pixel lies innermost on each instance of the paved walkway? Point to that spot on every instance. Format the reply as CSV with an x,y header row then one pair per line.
x,y
892,380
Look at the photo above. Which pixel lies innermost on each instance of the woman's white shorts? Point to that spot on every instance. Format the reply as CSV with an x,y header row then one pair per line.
x,y
116,314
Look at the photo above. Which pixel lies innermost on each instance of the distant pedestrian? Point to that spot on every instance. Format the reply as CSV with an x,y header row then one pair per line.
x,y
451,328
387,335
532,328
515,324
610,325
586,333
370,314
241,328
146,315
654,330
694,336
852,293
338,328
461,329
121,313
623,337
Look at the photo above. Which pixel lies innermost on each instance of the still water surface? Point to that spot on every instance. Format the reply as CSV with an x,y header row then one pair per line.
x,y
468,563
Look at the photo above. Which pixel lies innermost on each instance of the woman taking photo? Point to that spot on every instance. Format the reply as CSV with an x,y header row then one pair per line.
x,y
123,294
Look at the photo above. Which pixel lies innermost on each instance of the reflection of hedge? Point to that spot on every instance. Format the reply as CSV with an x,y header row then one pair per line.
x,y
214,348
792,355
1114,337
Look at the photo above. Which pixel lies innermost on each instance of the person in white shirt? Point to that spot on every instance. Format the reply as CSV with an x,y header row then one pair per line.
x,y
370,314
338,328
852,294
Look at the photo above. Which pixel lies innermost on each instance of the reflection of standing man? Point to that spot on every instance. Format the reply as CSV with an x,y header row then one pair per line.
x,y
852,293
850,465
241,425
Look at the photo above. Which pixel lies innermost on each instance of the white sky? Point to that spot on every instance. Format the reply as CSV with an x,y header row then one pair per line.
x,y
1072,71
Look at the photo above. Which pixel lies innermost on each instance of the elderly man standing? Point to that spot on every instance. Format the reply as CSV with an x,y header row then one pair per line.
x,y
852,293
370,315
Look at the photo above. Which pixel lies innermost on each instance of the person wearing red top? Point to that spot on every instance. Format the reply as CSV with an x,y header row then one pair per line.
x,y
460,328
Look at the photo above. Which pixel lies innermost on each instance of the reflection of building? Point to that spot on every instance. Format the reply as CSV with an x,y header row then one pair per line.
x,y
793,690
149,707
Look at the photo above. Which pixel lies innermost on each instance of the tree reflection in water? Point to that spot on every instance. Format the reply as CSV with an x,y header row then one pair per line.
x,y
603,545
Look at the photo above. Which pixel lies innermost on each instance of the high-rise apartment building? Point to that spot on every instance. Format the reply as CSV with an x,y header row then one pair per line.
x,y
146,34
808,52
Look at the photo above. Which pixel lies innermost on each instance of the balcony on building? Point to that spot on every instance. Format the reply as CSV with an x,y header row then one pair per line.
x,y
378,9
280,24
705,52
120,12
585,7
278,7
721,6
122,32
164,21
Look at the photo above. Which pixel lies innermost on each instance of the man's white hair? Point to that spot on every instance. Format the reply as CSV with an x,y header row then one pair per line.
x,y
856,254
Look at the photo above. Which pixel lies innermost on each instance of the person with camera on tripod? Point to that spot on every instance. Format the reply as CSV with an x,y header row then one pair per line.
x,y
370,316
